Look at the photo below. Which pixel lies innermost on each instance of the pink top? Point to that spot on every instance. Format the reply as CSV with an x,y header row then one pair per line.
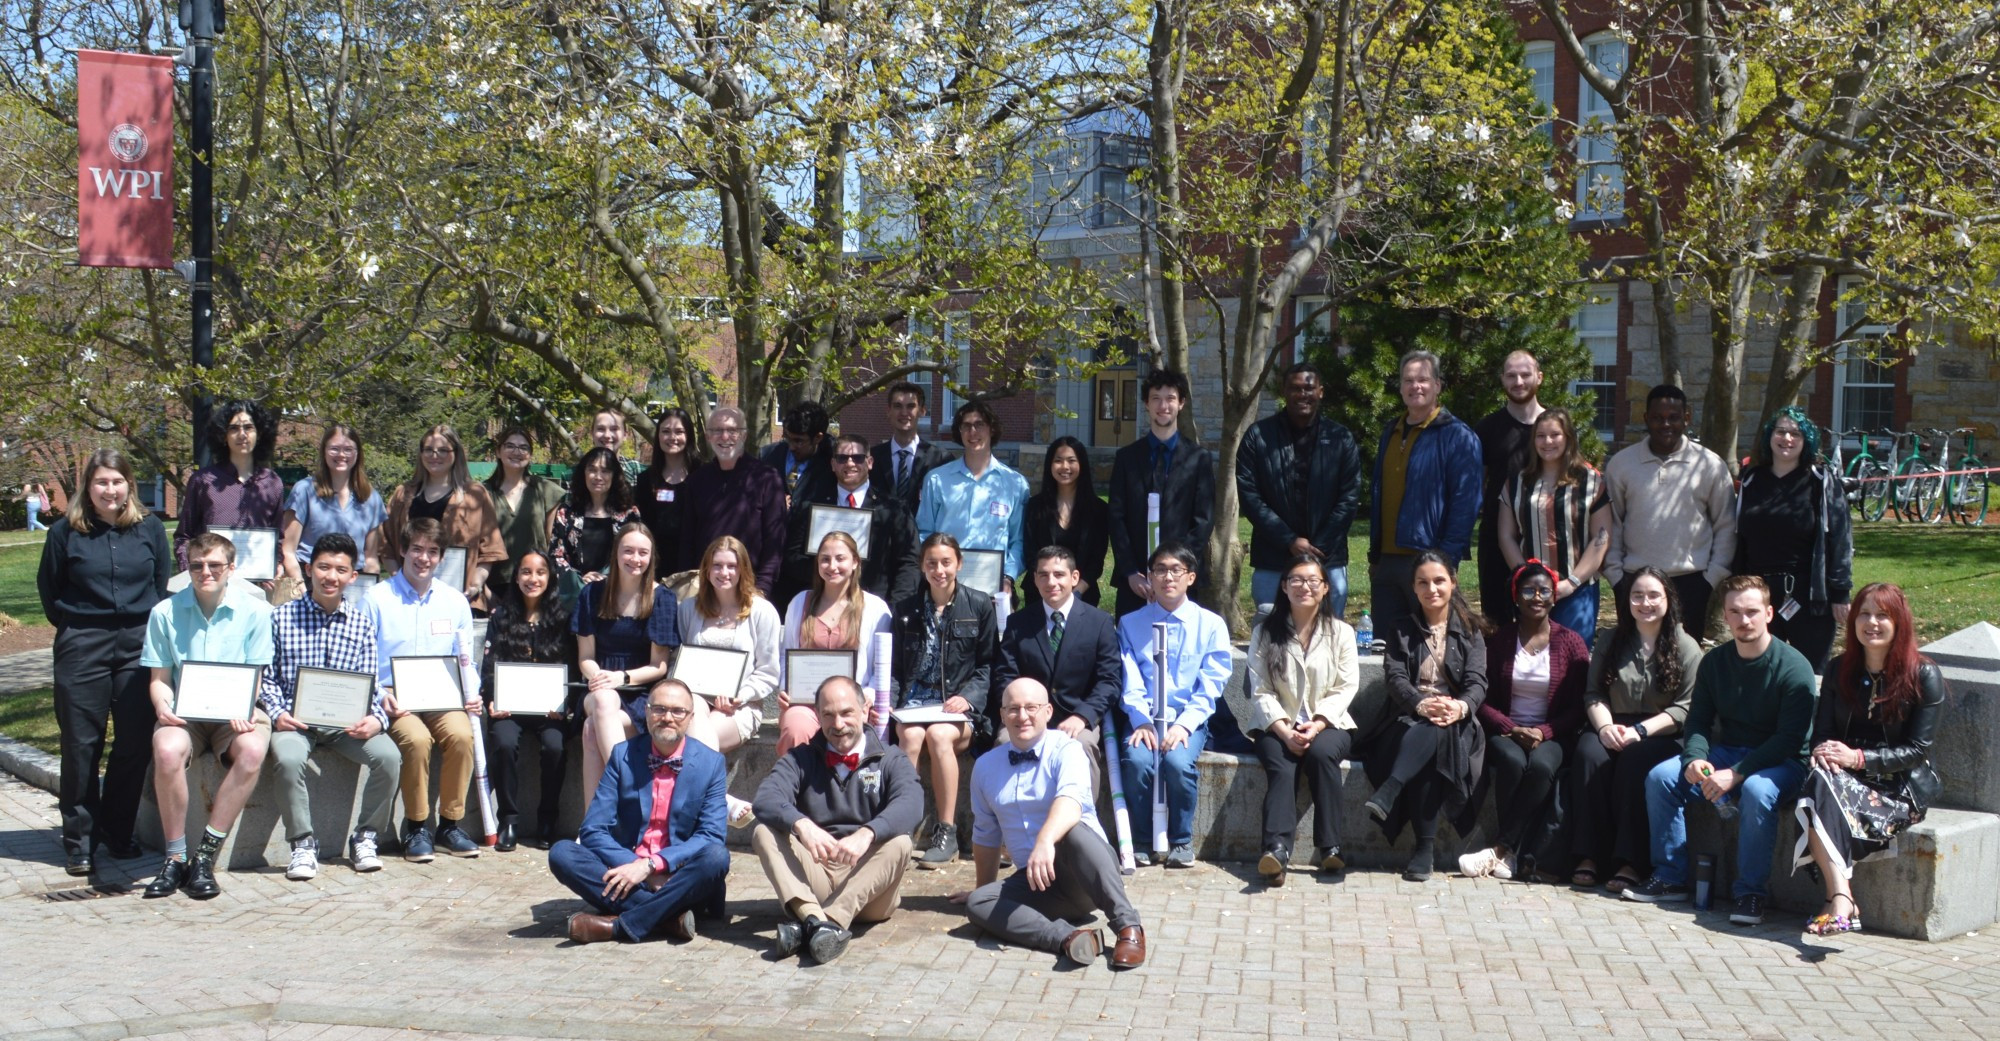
x,y
656,837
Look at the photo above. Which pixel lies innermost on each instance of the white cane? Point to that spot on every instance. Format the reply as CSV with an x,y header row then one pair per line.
x,y
1119,814
1160,739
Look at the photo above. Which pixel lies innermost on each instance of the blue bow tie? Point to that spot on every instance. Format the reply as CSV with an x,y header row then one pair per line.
x,y
655,760
1016,758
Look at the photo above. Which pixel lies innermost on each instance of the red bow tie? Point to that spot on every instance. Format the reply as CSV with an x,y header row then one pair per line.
x,y
851,760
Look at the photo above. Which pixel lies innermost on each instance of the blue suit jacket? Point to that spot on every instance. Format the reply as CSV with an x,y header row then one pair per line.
x,y
624,801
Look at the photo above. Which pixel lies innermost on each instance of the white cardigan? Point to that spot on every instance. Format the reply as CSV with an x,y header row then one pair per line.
x,y
875,618
759,634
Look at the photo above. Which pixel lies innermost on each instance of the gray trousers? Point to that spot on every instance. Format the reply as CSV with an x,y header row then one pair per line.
x,y
1087,880
290,749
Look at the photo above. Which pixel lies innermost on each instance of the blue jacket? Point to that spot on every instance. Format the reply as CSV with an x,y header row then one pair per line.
x,y
1441,488
624,800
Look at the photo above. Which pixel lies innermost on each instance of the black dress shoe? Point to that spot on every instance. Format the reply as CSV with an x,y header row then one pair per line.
x,y
792,935
173,875
504,841
201,882
827,942
76,862
126,850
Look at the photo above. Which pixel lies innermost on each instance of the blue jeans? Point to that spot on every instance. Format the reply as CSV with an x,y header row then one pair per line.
x,y
1264,587
1758,797
1182,780
698,882
1578,612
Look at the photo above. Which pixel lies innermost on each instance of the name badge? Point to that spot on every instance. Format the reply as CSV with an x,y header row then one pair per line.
x,y
663,495
999,508
440,627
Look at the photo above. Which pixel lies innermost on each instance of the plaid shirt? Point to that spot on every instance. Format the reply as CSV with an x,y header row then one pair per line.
x,y
303,634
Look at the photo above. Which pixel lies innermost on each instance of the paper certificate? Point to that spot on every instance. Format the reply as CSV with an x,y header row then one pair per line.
x,y
824,519
924,715
216,692
256,552
331,699
712,672
451,568
530,688
983,569
805,670
358,588
427,684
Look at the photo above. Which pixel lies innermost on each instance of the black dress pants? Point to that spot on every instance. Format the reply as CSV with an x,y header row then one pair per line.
x,y
1522,784
503,766
1607,799
98,678
1322,761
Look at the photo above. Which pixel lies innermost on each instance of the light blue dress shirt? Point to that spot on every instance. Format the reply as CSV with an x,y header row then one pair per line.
x,y
1010,802
434,624
982,512
1198,663
238,633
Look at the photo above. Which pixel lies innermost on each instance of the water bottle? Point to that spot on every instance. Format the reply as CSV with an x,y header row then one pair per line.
x,y
1364,633
1704,880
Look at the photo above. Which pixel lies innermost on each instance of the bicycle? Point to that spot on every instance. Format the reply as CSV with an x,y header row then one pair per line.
x,y
1866,477
1965,494
1906,494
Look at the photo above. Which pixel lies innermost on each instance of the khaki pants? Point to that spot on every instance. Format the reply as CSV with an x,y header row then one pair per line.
x,y
414,735
868,891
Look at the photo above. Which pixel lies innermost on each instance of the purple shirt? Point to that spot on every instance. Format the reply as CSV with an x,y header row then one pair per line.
x,y
747,502
215,498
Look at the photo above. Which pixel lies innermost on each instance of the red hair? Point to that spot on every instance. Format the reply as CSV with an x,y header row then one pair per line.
x,y
1899,671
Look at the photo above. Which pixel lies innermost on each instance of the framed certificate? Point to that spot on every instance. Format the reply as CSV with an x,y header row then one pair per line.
x,y
530,688
330,699
825,519
256,552
427,684
216,692
805,670
711,671
359,588
983,569
451,568
924,715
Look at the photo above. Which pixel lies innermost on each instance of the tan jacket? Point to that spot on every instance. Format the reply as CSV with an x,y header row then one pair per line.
x,y
1323,680
469,520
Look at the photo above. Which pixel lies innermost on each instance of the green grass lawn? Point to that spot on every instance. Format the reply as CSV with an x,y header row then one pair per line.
x,y
20,555
1951,574
30,716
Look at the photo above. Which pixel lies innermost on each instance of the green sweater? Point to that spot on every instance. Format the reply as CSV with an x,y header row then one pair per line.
x,y
1765,704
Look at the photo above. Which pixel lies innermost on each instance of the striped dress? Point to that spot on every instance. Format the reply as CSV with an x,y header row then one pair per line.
x,y
1555,523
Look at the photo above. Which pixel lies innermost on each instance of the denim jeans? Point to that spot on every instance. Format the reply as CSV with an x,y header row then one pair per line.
x,y
1757,796
1182,781
1264,587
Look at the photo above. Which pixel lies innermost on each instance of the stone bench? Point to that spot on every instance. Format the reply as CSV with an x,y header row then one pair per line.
x,y
1941,884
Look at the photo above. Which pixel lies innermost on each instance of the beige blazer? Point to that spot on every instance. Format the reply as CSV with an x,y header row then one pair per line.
x,y
1322,681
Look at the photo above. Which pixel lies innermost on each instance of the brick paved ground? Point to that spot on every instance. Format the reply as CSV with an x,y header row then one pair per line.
x,y
473,949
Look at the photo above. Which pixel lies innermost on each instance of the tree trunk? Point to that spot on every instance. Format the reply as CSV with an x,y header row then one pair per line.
x,y
1166,64
1727,327
1793,355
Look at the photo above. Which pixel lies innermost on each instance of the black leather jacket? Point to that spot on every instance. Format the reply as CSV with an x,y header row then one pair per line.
x,y
968,643
1888,749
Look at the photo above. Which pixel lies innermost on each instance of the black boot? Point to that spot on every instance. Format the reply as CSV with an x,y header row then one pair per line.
x,y
503,842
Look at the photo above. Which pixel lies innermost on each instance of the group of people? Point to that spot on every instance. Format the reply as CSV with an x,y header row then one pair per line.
x,y
1066,694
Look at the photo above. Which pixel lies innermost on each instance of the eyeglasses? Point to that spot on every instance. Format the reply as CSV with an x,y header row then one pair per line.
x,y
437,450
856,458
669,711
1304,581
1537,593
342,450
514,446
1782,432
1171,572
205,567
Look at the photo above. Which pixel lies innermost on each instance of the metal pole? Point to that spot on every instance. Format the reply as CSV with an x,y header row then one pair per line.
x,y
202,20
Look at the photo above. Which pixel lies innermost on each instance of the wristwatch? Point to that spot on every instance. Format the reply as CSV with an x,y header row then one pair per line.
x,y
1639,729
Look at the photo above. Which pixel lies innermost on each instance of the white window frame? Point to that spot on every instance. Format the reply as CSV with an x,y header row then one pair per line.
x,y
1539,58
1844,356
1596,328
1600,175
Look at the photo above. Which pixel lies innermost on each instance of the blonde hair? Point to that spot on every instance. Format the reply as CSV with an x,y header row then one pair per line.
x,y
357,478
608,606
850,619
82,514
705,601
460,474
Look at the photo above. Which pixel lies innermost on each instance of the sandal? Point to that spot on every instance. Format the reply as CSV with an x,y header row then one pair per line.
x,y
1584,878
1827,923
1620,882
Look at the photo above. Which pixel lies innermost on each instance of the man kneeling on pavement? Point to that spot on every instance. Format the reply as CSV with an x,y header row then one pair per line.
x,y
834,818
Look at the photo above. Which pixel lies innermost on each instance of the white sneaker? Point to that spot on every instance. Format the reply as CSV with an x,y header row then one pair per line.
x,y
741,813
1479,864
305,860
1504,869
361,851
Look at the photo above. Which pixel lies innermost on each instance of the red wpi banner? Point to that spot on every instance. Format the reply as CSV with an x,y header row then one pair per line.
x,y
125,160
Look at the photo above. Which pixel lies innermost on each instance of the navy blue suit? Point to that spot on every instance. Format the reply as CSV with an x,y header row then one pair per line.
x,y
696,826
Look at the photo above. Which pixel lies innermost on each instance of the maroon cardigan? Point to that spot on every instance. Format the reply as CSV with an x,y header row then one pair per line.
x,y
1569,668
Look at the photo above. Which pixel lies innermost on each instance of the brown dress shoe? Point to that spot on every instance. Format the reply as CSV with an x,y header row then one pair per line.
x,y
592,928
679,928
1130,953
1083,946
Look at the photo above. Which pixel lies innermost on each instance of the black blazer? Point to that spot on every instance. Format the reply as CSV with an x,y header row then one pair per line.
x,y
1264,476
1084,678
818,474
930,455
890,572
1187,505
1088,537
968,643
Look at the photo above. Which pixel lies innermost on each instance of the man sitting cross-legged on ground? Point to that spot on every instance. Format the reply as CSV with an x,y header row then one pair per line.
x,y
322,630
651,848
834,818
1032,795
209,621
1747,728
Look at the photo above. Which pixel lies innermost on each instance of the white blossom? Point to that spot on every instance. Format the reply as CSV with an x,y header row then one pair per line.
x,y
1421,130
368,266
1565,209
1476,130
1468,192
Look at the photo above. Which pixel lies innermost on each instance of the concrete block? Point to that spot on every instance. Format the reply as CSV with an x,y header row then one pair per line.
x,y
1963,753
